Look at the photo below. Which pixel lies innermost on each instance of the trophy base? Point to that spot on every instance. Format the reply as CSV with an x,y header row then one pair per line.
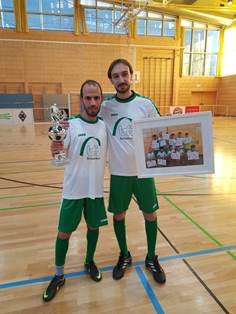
x,y
59,162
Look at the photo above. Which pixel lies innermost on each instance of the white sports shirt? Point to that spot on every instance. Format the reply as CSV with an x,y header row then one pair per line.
x,y
118,116
86,143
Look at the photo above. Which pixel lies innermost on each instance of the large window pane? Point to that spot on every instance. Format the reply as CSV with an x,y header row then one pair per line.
x,y
155,24
34,6
7,20
212,41
186,64
119,28
104,4
67,7
55,14
6,5
104,21
67,23
154,27
187,40
88,2
200,51
51,6
199,25
169,28
51,22
35,21
141,27
199,40
186,23
211,65
197,64
90,18
154,15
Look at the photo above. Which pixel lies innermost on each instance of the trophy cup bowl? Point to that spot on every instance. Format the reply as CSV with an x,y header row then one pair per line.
x,y
57,133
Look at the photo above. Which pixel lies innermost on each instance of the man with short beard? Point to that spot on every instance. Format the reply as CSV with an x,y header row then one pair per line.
x,y
118,114
85,144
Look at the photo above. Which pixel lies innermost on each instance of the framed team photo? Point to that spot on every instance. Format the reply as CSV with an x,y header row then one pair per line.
x,y
174,145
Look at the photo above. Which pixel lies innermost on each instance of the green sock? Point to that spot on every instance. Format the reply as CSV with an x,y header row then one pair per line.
x,y
119,227
151,234
61,250
92,239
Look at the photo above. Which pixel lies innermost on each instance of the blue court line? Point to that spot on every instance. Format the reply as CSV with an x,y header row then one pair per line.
x,y
109,268
149,291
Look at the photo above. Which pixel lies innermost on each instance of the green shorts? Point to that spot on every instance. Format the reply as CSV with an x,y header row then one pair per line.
x,y
122,188
71,213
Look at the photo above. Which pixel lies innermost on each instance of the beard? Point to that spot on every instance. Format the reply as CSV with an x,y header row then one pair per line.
x,y
123,88
92,111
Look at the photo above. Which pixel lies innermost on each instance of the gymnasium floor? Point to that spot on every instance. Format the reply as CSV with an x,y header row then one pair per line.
x,y
196,240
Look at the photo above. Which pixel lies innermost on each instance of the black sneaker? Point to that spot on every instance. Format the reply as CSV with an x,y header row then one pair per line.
x,y
122,264
155,268
55,284
93,271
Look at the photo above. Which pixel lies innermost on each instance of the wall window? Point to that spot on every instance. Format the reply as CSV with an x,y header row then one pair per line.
x,y
201,44
102,17
7,16
155,24
51,14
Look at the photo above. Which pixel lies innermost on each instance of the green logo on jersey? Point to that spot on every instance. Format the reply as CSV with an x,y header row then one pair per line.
x,y
92,145
124,127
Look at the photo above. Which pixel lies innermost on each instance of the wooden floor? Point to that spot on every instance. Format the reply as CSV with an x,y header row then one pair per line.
x,y
196,240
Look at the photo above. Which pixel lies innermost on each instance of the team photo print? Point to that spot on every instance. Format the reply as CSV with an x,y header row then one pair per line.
x,y
175,145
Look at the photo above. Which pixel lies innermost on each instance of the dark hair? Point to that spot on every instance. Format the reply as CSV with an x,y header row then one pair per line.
x,y
117,61
90,82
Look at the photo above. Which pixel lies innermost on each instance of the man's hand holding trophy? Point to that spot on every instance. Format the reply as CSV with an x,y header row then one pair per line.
x,y
57,133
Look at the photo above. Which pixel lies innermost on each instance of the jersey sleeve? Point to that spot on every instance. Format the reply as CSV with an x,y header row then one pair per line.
x,y
153,112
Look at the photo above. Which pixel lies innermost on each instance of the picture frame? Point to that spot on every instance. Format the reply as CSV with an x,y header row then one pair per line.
x,y
174,145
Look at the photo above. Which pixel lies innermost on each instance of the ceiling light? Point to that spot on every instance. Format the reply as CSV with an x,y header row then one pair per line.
x,y
230,2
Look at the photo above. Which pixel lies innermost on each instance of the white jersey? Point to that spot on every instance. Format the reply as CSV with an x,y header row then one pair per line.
x,y
193,155
155,145
179,141
118,115
86,143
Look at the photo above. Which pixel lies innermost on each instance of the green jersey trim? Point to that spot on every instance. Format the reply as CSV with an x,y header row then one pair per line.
x,y
127,99
138,95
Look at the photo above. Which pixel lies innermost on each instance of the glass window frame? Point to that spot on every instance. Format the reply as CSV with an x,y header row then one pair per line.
x,y
12,11
48,14
205,53
163,18
114,8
